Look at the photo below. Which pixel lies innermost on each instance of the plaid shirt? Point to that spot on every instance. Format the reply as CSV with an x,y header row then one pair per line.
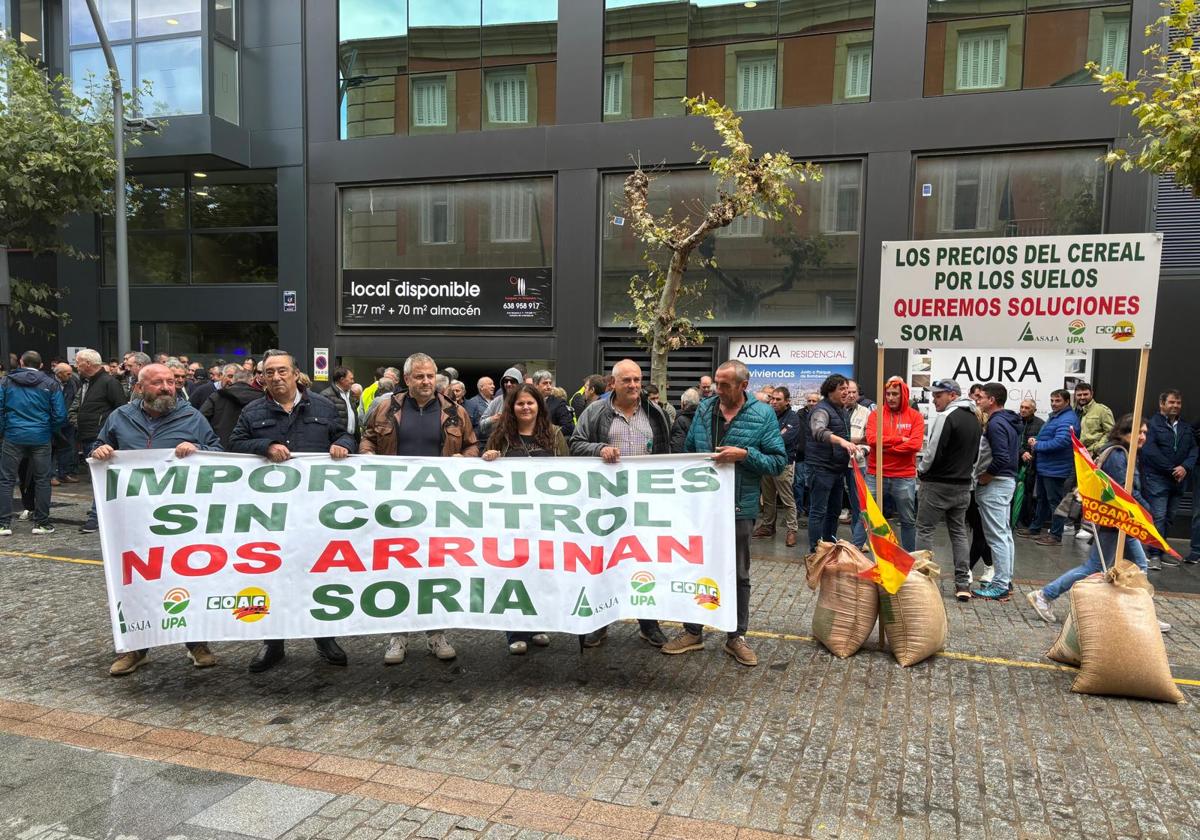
x,y
631,435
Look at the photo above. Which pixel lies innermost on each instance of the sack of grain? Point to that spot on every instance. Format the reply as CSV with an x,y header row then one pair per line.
x,y
847,606
1121,649
914,619
1066,647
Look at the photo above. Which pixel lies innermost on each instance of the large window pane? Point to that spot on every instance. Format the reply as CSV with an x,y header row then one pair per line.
x,y
801,270
89,72
519,32
167,17
225,83
33,35
173,70
726,21
235,257
1058,45
803,17
372,39
207,342
225,19
642,25
481,224
154,259
116,16
647,84
153,202
237,199
1037,193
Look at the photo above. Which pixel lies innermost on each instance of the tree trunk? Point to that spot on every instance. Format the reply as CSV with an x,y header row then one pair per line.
x,y
660,345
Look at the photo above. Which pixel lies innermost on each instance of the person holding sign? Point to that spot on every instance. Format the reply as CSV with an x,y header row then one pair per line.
x,y
524,430
1168,459
155,420
289,419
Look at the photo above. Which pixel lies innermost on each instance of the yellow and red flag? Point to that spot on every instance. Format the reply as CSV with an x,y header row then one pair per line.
x,y
892,563
1106,503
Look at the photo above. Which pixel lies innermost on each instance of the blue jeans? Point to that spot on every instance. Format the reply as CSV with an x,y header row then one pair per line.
x,y
995,511
39,466
824,505
1163,495
858,531
1050,493
800,487
1107,543
903,495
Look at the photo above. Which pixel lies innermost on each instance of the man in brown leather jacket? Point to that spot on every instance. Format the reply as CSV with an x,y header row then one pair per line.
x,y
419,423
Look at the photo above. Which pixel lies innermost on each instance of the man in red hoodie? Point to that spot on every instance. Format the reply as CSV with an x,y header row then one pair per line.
x,y
903,435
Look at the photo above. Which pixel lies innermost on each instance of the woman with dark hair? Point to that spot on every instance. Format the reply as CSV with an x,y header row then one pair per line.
x,y
524,430
1113,459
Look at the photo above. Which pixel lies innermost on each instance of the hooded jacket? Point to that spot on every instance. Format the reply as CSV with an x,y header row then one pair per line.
x,y
953,446
486,421
903,435
1003,432
31,407
224,406
1054,453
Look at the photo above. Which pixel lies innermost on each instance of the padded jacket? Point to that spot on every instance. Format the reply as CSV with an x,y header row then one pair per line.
x,y
31,407
755,428
128,428
312,426
1054,453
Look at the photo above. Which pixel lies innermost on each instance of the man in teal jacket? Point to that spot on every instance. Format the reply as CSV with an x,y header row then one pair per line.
x,y
743,432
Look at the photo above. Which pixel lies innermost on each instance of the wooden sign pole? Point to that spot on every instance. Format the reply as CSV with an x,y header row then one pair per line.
x,y
880,402
1138,403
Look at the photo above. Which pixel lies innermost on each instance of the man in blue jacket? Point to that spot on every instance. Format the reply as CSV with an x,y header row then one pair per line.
x,y
1055,459
743,432
31,411
777,490
995,488
1166,461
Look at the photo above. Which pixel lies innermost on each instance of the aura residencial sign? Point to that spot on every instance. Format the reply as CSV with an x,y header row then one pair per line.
x,y
219,547
1085,292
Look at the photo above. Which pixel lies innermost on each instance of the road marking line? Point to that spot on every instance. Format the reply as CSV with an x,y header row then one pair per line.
x,y
79,560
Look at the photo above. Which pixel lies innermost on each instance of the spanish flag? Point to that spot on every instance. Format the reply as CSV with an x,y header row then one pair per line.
x,y
892,563
1106,503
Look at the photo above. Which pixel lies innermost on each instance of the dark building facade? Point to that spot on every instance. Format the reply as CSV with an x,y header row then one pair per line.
x,y
446,176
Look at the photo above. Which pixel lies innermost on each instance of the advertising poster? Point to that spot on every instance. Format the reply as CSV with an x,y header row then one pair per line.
x,y
468,297
799,364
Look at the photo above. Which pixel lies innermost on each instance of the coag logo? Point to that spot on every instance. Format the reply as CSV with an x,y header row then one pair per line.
x,y
175,602
1120,331
642,584
251,604
705,591
1076,327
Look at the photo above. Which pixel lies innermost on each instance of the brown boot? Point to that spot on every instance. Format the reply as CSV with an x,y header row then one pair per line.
x,y
739,650
791,539
763,531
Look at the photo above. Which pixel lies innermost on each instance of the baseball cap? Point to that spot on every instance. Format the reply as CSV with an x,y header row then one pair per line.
x,y
950,385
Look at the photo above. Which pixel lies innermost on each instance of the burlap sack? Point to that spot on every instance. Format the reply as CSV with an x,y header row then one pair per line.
x,y
1066,647
847,605
913,620
1121,649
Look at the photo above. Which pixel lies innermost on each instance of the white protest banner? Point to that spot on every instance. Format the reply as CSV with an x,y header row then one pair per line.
x,y
799,364
216,547
1093,292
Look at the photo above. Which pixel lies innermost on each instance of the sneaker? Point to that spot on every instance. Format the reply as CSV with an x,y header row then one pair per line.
x,y
1046,539
127,663
1041,606
989,572
89,528
963,594
44,528
654,636
5,530
991,592
844,517
739,650
71,479
540,639
1168,560
1163,627
1153,564
440,647
396,650
1083,535
201,656
517,648
684,643
25,516
1192,559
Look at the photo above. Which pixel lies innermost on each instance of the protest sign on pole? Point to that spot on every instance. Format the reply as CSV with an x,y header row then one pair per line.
x,y
216,547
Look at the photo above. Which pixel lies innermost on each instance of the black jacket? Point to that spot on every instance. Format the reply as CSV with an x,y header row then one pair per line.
x,y
592,427
104,396
957,448
560,415
1030,429
681,427
224,406
331,394
312,426
199,392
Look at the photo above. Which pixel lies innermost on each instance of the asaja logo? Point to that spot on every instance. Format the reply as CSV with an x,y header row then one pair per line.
x,y
1027,334
642,584
251,604
130,626
1076,327
583,607
705,591
175,602
1120,331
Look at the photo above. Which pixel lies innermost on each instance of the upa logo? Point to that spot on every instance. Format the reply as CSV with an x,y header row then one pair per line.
x,y
705,591
642,584
175,603
251,604
1076,329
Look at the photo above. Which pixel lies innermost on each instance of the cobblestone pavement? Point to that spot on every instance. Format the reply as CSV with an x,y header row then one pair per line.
x,y
619,742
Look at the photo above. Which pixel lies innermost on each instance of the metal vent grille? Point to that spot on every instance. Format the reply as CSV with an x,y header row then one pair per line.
x,y
1177,216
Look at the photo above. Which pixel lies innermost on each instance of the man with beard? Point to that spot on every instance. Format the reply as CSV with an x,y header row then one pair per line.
x,y
156,421
289,419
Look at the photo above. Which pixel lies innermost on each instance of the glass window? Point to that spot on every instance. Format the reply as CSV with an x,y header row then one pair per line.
x,y
858,71
225,83
155,259
1114,44
803,17
444,34
234,199
982,59
1061,43
524,31
116,15
727,21
172,69
372,38
153,202
1029,193
207,342
235,257
429,102
33,35
756,83
644,25
614,90
974,55
465,224
167,17
89,70
507,93
225,19
801,270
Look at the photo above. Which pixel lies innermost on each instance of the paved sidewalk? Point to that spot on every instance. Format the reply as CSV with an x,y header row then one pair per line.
x,y
630,741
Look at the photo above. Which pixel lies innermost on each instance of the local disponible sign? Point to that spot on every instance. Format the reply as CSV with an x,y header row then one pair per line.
x,y
484,297
1085,292
222,547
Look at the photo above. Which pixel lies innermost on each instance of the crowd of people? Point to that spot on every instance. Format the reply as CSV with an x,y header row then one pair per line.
x,y
987,473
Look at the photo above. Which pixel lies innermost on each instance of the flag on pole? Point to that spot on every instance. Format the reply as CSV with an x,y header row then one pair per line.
x,y
1106,503
892,563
